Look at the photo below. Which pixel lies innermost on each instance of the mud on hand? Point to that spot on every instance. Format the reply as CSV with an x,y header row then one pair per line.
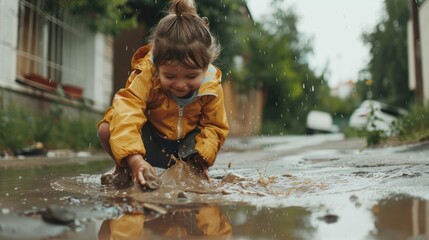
x,y
153,181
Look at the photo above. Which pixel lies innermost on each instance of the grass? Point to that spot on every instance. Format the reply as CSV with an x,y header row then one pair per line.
x,y
19,129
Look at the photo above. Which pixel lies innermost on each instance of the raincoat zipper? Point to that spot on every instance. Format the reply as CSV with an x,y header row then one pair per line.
x,y
179,123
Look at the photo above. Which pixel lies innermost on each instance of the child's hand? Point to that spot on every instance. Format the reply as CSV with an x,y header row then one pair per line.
x,y
199,161
142,172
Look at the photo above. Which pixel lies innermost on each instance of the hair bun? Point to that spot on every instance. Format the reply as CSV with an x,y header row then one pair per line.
x,y
180,7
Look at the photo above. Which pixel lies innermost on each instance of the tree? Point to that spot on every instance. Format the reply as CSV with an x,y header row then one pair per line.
x,y
106,16
388,66
276,62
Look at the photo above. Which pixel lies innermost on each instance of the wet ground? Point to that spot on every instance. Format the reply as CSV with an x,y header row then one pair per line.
x,y
294,187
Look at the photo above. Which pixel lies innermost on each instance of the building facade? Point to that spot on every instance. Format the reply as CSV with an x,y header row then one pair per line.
x,y
49,56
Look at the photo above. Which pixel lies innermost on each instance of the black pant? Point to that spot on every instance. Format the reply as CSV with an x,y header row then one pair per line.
x,y
159,150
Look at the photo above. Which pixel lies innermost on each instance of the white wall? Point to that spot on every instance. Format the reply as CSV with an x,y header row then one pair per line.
x,y
101,86
8,42
93,56
424,38
411,61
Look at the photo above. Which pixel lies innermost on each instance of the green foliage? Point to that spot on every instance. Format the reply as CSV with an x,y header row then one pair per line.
x,y
15,129
19,129
388,67
276,62
106,16
415,125
375,137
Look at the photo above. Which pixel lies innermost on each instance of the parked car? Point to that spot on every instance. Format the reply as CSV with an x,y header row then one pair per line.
x,y
320,122
382,118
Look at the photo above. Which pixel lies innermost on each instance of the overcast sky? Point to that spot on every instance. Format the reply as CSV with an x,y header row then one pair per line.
x,y
336,27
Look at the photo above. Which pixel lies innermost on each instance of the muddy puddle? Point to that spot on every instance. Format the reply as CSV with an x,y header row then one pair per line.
x,y
68,202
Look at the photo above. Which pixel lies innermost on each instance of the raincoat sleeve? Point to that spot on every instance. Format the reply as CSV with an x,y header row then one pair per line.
x,y
213,125
128,117
109,112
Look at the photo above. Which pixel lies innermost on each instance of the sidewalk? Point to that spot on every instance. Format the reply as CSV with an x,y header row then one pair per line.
x,y
40,161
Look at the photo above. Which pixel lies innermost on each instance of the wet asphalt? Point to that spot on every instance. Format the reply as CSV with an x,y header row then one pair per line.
x,y
282,187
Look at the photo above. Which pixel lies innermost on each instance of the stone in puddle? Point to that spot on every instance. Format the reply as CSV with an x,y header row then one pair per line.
x,y
182,195
329,218
152,180
58,215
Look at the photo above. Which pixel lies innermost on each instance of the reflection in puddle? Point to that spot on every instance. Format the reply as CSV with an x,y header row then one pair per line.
x,y
181,222
209,220
401,218
393,218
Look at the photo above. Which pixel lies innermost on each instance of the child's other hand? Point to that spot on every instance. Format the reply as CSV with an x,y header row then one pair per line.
x,y
142,172
201,163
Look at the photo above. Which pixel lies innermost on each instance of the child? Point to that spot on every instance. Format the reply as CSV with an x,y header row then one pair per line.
x,y
172,104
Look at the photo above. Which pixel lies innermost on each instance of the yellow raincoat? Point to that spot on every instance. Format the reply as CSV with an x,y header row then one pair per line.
x,y
143,99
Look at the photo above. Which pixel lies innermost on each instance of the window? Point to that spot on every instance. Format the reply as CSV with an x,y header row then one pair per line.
x,y
51,48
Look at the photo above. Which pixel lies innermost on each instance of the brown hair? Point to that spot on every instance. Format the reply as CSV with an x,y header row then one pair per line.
x,y
184,36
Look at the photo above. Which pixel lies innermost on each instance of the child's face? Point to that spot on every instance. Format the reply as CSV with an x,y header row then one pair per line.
x,y
180,80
